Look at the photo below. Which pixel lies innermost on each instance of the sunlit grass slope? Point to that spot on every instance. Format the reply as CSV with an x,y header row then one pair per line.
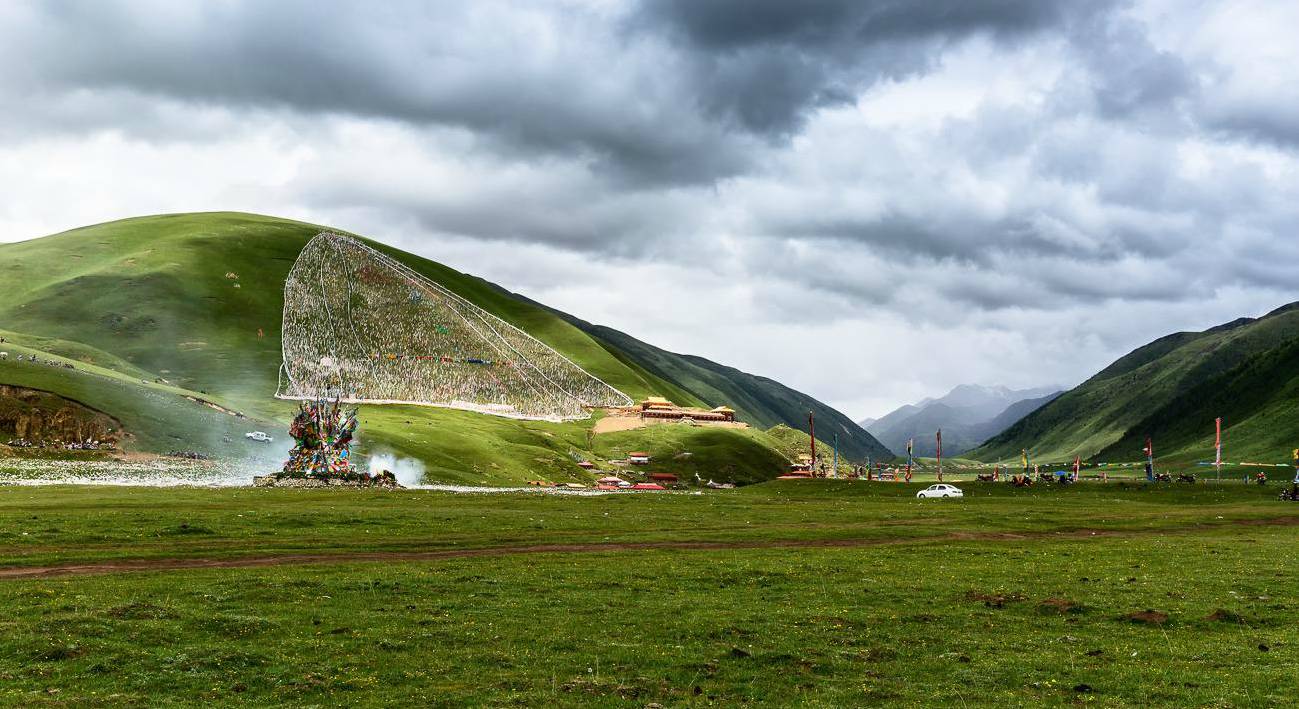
x,y
185,296
1172,389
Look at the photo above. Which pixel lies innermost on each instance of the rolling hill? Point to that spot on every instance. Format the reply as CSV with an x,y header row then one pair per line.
x,y
764,402
1172,389
162,308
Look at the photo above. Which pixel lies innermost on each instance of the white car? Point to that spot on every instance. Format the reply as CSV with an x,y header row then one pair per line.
x,y
940,490
258,436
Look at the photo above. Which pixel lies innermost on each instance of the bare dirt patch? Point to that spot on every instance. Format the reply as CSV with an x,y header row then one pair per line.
x,y
1059,605
993,600
1223,615
611,424
1147,617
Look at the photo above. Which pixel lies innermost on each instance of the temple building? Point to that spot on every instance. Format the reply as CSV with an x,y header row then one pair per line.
x,y
657,407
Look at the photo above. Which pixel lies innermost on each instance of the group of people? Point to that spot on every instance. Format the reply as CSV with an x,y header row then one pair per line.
x,y
364,327
34,358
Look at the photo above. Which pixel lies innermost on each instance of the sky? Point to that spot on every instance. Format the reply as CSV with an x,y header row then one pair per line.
x,y
871,201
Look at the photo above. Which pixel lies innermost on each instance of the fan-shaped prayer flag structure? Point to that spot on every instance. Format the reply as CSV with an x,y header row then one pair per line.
x,y
360,327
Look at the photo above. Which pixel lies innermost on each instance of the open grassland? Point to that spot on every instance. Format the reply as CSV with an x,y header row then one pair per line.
x,y
816,592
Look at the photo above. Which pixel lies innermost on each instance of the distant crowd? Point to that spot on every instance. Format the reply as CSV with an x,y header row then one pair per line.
x,y
34,358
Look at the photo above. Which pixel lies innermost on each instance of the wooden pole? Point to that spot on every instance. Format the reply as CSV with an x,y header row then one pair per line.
x,y
811,426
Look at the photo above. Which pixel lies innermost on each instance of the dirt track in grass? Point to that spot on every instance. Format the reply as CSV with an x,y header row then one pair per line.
x,y
183,563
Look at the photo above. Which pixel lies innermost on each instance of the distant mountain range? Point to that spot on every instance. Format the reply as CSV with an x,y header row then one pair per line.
x,y
968,415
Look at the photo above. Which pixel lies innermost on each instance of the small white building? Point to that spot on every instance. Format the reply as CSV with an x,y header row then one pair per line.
x,y
638,458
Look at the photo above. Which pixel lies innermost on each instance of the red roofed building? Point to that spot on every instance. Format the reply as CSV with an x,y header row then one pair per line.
x,y
656,407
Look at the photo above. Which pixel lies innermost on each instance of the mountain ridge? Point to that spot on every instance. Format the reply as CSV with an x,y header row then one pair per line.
x,y
1172,389
765,401
967,415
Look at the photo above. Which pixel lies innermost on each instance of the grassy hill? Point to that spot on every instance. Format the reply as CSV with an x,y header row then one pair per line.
x,y
155,309
761,401
1172,389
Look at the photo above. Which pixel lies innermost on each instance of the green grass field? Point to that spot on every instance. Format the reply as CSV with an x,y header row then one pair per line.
x,y
817,593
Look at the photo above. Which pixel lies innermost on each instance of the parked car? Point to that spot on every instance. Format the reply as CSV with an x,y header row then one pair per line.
x,y
940,490
258,436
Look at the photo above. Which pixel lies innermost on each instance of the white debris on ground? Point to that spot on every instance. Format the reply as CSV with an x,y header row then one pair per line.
x,y
205,473
471,489
146,473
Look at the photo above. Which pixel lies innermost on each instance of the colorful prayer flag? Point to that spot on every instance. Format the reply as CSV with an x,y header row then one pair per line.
x,y
1217,442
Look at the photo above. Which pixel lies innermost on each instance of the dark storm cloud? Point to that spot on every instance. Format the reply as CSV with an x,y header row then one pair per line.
x,y
765,64
1272,120
448,64
666,99
963,239
1127,74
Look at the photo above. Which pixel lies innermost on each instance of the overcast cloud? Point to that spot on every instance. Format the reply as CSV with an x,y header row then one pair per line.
x,y
869,200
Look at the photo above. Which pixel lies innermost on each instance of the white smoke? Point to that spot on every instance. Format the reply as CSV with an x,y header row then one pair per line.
x,y
409,472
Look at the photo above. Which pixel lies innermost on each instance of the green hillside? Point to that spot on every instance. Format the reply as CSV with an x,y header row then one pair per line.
x,y
1258,401
155,309
761,401
184,297
1172,389
738,456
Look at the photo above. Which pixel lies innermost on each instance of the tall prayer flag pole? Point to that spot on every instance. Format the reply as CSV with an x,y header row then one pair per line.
x,y
911,442
1217,446
940,455
811,425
